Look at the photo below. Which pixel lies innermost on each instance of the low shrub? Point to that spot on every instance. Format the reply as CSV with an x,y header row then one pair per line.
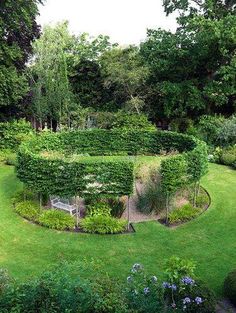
x,y
103,224
5,280
144,292
29,210
183,214
13,133
230,287
176,268
190,296
57,220
114,206
202,200
228,156
8,157
23,195
184,291
227,133
98,208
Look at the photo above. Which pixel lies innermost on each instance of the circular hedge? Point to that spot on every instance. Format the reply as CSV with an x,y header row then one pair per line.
x,y
94,161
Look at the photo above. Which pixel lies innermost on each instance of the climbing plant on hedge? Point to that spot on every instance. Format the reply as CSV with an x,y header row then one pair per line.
x,y
78,162
173,177
197,165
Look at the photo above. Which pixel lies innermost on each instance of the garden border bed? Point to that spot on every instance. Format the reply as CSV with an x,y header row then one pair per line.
x,y
174,225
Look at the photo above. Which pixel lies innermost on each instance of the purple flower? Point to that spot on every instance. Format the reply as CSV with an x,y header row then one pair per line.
x,y
198,300
129,279
186,300
146,290
173,287
187,281
154,279
165,284
136,267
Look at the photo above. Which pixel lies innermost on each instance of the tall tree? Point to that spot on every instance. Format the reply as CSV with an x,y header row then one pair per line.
x,y
193,70
18,28
49,75
124,69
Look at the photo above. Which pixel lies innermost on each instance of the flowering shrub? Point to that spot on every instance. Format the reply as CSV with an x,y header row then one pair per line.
x,y
178,294
144,293
183,291
66,287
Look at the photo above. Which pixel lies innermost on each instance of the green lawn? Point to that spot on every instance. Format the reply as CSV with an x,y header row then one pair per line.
x,y
27,249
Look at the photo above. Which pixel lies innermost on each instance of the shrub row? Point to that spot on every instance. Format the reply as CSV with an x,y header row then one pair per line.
x,y
113,142
66,288
53,219
42,168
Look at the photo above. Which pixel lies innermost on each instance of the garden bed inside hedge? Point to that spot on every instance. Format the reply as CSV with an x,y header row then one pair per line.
x,y
202,208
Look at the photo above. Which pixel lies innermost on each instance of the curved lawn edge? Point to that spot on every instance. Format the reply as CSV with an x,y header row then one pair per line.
x,y
209,240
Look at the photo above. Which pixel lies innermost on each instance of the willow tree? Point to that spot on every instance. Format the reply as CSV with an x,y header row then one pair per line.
x,y
49,77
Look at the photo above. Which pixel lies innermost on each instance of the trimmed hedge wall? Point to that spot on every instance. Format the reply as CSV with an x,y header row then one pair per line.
x,y
70,174
114,142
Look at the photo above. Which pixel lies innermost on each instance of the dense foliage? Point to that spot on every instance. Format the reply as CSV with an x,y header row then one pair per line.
x,y
12,134
183,214
230,287
56,220
56,164
29,210
103,224
18,28
67,288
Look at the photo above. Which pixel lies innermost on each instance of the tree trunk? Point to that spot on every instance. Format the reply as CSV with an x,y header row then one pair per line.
x,y
128,213
167,208
40,200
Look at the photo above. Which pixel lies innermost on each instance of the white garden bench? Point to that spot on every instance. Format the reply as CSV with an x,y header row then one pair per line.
x,y
64,205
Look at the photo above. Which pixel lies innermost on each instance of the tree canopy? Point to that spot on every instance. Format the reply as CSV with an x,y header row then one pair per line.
x,y
18,28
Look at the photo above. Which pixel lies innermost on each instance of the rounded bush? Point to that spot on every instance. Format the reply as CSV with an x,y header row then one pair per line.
x,y
103,224
28,209
230,287
57,220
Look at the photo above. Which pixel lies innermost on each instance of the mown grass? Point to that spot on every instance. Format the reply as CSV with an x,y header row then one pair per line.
x,y
210,240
